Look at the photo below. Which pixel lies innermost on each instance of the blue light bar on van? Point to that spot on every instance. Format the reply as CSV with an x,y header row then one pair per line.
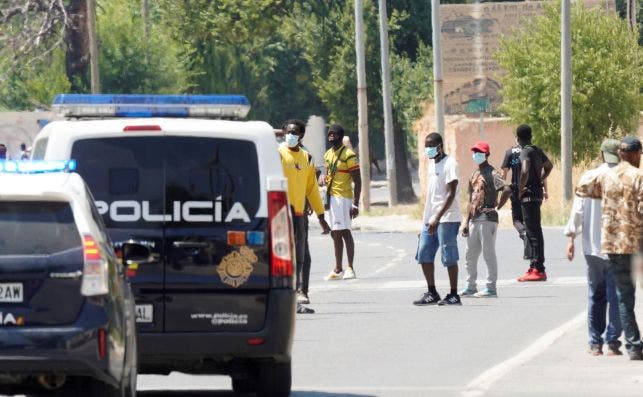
x,y
38,166
134,105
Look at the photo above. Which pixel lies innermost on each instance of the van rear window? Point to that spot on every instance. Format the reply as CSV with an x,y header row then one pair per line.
x,y
37,227
177,181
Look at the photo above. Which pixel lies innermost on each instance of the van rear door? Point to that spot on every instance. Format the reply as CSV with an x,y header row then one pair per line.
x,y
126,177
217,270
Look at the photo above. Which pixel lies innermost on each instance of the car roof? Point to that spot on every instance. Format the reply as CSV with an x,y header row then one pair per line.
x,y
44,185
223,128
51,186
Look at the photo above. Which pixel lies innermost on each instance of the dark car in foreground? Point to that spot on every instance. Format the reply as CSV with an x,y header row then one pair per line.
x,y
67,320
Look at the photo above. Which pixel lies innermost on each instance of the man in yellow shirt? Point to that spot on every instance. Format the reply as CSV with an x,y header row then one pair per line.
x,y
342,169
299,169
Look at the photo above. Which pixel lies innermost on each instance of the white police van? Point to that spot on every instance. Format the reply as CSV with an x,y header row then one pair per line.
x,y
204,203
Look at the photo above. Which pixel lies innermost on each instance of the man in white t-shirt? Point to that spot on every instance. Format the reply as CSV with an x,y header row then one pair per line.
x,y
442,220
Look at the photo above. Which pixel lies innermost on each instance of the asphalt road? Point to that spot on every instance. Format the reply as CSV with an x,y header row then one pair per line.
x,y
367,339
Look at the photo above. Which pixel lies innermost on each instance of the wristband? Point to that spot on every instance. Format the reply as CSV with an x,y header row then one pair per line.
x,y
354,206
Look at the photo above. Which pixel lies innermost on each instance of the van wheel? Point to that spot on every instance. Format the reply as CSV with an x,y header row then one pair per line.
x,y
274,380
244,385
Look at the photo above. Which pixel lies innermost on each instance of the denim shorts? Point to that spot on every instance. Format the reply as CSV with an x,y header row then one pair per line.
x,y
446,239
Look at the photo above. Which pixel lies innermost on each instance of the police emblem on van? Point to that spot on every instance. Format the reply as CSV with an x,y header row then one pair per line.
x,y
133,211
236,267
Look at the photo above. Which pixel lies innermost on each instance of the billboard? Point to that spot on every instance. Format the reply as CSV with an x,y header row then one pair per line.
x,y
470,34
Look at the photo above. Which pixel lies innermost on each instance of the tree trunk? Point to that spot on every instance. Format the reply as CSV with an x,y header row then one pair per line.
x,y
77,48
405,193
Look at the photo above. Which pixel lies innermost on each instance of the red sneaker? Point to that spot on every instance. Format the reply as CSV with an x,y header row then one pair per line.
x,y
524,276
536,275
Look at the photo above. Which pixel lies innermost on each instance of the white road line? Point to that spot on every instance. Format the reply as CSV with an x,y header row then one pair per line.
x,y
401,254
360,284
371,389
483,383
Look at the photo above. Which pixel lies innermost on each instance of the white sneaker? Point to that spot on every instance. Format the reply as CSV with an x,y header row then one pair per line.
x,y
332,276
349,273
302,298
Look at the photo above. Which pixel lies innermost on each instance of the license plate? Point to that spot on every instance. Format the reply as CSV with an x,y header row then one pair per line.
x,y
144,313
11,292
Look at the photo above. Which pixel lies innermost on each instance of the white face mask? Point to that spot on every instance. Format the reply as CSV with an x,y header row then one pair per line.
x,y
292,140
479,158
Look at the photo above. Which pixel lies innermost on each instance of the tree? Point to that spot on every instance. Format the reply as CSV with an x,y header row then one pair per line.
x,y
130,62
239,46
606,69
325,37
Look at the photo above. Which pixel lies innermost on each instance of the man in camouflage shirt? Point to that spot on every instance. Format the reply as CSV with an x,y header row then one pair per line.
x,y
621,193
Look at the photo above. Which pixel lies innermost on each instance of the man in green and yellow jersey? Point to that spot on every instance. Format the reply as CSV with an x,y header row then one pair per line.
x,y
342,170
299,169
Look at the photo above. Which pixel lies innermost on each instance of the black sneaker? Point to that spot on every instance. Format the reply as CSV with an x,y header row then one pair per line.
x,y
301,309
635,355
428,298
450,299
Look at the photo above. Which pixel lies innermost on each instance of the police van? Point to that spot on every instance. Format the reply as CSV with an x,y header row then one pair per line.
x,y
199,200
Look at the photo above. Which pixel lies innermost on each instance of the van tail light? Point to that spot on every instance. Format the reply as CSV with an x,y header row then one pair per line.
x,y
281,243
95,270
142,128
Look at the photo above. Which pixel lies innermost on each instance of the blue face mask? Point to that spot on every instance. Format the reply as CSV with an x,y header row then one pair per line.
x,y
292,140
479,158
431,151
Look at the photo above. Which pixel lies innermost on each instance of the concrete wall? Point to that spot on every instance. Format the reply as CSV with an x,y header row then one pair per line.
x,y
19,127
462,132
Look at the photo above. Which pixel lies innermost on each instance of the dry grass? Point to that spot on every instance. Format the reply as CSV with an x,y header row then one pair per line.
x,y
555,211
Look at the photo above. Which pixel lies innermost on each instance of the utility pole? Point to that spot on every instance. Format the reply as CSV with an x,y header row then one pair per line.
x,y
389,144
93,46
437,67
631,14
566,98
362,103
145,14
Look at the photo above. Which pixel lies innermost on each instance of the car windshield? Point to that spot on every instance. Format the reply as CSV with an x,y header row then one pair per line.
x,y
37,227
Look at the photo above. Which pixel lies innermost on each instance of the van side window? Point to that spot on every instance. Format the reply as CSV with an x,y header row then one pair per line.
x,y
39,149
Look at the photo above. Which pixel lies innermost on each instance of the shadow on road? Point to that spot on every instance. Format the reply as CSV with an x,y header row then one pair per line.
x,y
227,393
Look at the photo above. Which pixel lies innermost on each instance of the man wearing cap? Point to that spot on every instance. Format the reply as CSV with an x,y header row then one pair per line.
x,y
621,193
342,200
585,217
481,222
